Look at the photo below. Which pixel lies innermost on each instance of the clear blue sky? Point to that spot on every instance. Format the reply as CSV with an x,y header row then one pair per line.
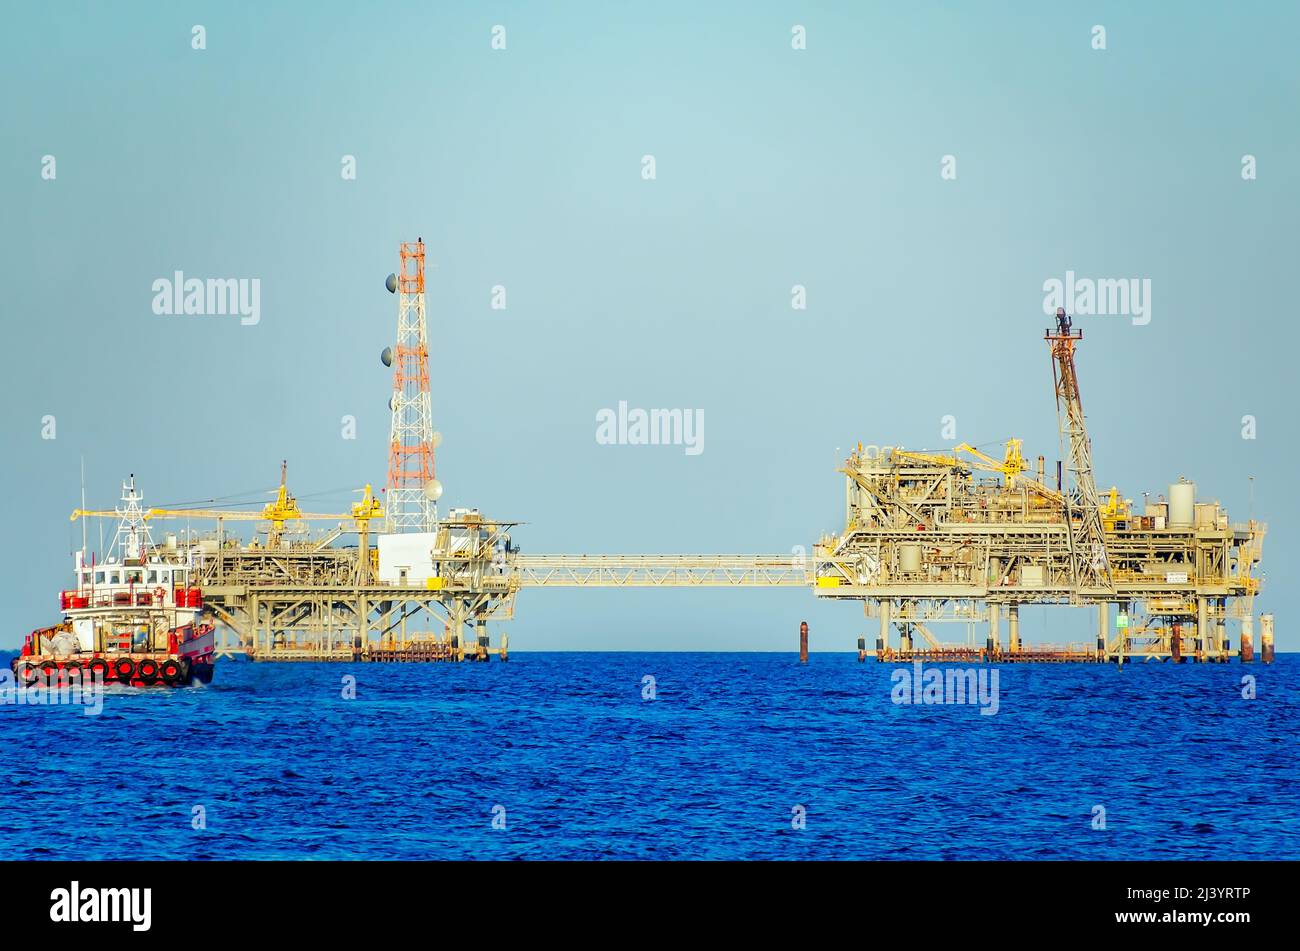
x,y
522,167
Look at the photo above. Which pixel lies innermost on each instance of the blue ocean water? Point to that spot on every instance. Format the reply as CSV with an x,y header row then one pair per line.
x,y
563,750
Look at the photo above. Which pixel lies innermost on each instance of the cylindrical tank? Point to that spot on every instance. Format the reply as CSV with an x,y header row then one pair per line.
x,y
1182,504
909,557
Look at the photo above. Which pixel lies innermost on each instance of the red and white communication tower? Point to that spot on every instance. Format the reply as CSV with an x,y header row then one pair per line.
x,y
412,493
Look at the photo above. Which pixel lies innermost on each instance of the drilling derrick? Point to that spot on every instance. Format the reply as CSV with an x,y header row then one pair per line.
x,y
412,490
1090,565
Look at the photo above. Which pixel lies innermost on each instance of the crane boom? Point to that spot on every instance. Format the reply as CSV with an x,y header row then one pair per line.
x,y
283,510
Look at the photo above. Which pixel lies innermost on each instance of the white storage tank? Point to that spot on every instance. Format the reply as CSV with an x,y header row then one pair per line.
x,y
1182,504
909,558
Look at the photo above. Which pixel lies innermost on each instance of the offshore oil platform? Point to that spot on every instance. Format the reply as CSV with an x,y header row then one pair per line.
x,y
961,536
929,537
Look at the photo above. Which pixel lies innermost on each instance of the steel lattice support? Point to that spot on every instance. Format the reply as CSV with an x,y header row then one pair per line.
x,y
409,504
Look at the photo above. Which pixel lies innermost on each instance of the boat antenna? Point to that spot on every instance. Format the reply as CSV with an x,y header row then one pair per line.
x,y
83,507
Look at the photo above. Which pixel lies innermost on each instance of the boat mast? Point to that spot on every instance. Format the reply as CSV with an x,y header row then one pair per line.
x,y
83,505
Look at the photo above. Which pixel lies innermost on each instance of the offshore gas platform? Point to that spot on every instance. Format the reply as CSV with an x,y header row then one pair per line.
x,y
929,537
964,537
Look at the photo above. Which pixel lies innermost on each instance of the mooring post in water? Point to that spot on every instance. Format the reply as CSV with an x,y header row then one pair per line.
x,y
1266,638
1176,643
803,642
862,649
1247,639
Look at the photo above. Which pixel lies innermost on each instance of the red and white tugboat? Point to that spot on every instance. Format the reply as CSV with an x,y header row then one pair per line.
x,y
135,619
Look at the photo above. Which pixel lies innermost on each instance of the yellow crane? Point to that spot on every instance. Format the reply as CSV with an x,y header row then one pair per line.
x,y
1114,509
367,508
363,512
283,509
931,458
1012,464
1011,467
277,513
